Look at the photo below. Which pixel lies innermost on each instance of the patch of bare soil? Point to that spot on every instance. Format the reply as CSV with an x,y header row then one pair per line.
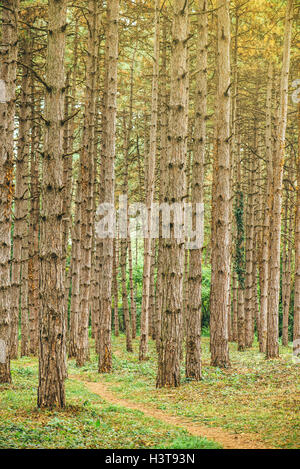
x,y
226,439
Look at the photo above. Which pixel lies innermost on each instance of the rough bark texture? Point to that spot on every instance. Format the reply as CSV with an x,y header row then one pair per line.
x,y
87,187
115,287
8,66
173,249
52,350
131,286
149,186
105,353
286,270
275,218
296,330
162,179
264,265
193,330
221,194
20,246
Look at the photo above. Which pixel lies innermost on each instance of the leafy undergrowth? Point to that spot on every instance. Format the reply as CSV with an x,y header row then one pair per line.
x,y
253,396
87,422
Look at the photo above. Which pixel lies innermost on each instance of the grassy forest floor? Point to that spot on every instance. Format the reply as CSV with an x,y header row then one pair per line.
x,y
255,401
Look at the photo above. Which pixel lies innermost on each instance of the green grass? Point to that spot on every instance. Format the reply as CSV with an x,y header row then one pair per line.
x,y
87,422
253,396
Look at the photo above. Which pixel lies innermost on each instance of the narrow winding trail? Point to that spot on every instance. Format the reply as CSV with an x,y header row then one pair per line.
x,y
226,439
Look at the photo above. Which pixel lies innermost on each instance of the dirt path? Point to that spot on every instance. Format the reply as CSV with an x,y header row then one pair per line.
x,y
226,439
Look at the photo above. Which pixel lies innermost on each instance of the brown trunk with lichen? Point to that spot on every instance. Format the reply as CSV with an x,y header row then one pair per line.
x,y
149,190
173,247
220,259
162,180
8,67
87,188
52,333
20,242
193,320
272,350
105,352
296,330
115,287
34,220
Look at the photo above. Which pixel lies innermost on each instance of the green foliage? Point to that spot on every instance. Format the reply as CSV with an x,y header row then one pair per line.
x,y
88,422
239,261
193,442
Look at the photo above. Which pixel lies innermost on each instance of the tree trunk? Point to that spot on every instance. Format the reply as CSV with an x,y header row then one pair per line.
x,y
221,195
173,247
275,219
8,66
115,286
34,230
105,353
162,181
149,189
20,250
193,330
87,187
264,266
52,353
296,330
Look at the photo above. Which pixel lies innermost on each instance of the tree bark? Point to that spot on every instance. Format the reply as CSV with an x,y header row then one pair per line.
x,y
221,195
52,333
8,68
296,329
87,159
275,213
173,249
105,352
149,189
193,329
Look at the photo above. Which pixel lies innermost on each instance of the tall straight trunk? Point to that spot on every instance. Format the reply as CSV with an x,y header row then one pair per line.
x,y
75,275
152,291
240,254
173,249
149,189
8,65
52,350
275,219
162,180
234,164
221,204
286,272
125,306
105,352
115,287
20,245
193,330
264,266
296,329
249,255
34,227
87,186
235,292
131,287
